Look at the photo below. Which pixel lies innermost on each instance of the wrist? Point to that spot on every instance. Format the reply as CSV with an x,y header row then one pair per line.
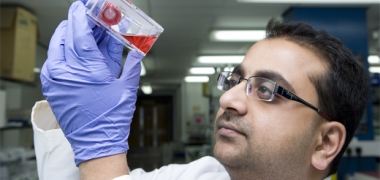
x,y
108,167
101,137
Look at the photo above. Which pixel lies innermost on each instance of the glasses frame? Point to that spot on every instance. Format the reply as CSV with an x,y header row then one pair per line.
x,y
277,90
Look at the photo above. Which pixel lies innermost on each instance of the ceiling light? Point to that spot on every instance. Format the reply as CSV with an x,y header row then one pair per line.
x,y
237,35
36,70
202,70
196,79
228,69
218,69
143,70
221,59
313,1
146,89
374,69
373,59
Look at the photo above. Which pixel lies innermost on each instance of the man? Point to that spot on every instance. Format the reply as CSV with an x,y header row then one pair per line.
x,y
289,111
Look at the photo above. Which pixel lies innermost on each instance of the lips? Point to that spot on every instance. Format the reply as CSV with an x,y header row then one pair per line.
x,y
226,128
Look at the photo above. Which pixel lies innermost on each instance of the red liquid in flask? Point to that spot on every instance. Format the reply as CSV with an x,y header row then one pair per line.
x,y
144,43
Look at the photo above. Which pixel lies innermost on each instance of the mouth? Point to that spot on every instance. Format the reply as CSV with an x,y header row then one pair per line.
x,y
229,130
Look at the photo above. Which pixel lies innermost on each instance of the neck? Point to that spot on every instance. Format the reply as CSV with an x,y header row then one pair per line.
x,y
248,173
239,173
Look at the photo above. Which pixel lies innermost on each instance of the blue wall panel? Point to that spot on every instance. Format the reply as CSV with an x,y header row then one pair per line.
x,y
350,26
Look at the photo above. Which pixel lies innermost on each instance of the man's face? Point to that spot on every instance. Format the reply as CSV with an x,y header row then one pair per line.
x,y
270,137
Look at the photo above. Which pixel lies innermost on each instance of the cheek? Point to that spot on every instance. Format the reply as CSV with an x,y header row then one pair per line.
x,y
265,117
292,137
279,134
220,111
280,124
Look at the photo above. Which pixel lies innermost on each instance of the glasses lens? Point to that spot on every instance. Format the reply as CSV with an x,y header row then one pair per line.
x,y
222,79
260,88
233,80
227,80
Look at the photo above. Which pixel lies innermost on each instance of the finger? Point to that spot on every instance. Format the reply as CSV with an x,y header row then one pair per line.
x,y
90,23
55,52
79,37
132,69
56,45
95,10
124,25
115,48
99,34
113,59
115,52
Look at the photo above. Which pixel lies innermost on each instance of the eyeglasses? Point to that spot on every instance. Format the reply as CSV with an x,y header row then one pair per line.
x,y
261,89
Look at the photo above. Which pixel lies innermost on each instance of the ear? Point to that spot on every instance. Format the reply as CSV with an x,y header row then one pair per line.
x,y
330,141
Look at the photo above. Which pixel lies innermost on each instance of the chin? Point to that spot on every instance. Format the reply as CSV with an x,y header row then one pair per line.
x,y
230,154
220,154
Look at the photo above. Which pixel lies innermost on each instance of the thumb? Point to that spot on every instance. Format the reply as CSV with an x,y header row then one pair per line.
x,y
132,69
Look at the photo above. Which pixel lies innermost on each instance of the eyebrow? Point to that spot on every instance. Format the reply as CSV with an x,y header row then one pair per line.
x,y
274,76
239,70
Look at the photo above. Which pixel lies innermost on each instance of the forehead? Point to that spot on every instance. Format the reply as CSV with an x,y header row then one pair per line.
x,y
293,62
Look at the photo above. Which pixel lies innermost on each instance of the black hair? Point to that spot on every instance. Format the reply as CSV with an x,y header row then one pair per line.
x,y
343,91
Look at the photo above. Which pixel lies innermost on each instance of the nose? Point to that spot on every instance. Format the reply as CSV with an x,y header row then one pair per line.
x,y
235,99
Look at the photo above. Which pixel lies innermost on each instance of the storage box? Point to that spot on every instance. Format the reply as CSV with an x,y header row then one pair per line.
x,y
18,44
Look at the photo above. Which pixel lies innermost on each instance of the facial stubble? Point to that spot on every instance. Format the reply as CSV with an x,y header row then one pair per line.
x,y
256,155
233,152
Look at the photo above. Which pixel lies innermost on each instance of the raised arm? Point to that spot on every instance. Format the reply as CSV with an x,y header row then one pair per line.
x,y
93,107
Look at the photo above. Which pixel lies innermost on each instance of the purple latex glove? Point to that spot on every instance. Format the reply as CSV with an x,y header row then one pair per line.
x,y
93,107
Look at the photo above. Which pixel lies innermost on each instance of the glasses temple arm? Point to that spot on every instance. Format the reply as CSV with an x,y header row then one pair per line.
x,y
289,95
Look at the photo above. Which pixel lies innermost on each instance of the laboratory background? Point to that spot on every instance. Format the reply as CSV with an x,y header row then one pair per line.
x,y
178,99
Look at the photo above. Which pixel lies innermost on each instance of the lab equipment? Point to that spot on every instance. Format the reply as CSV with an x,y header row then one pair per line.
x,y
93,107
18,163
125,22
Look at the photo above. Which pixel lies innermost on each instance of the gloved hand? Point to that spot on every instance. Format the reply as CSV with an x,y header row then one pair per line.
x,y
93,107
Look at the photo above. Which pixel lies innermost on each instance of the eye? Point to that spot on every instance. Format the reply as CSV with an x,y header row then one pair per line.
x,y
233,83
264,90
233,80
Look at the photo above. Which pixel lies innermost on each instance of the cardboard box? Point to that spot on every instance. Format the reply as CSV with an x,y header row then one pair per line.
x,y
18,44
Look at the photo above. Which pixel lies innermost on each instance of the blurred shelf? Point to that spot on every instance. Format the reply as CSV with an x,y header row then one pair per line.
x,y
15,127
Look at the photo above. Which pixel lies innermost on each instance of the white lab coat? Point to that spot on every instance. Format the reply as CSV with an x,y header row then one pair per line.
x,y
55,158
